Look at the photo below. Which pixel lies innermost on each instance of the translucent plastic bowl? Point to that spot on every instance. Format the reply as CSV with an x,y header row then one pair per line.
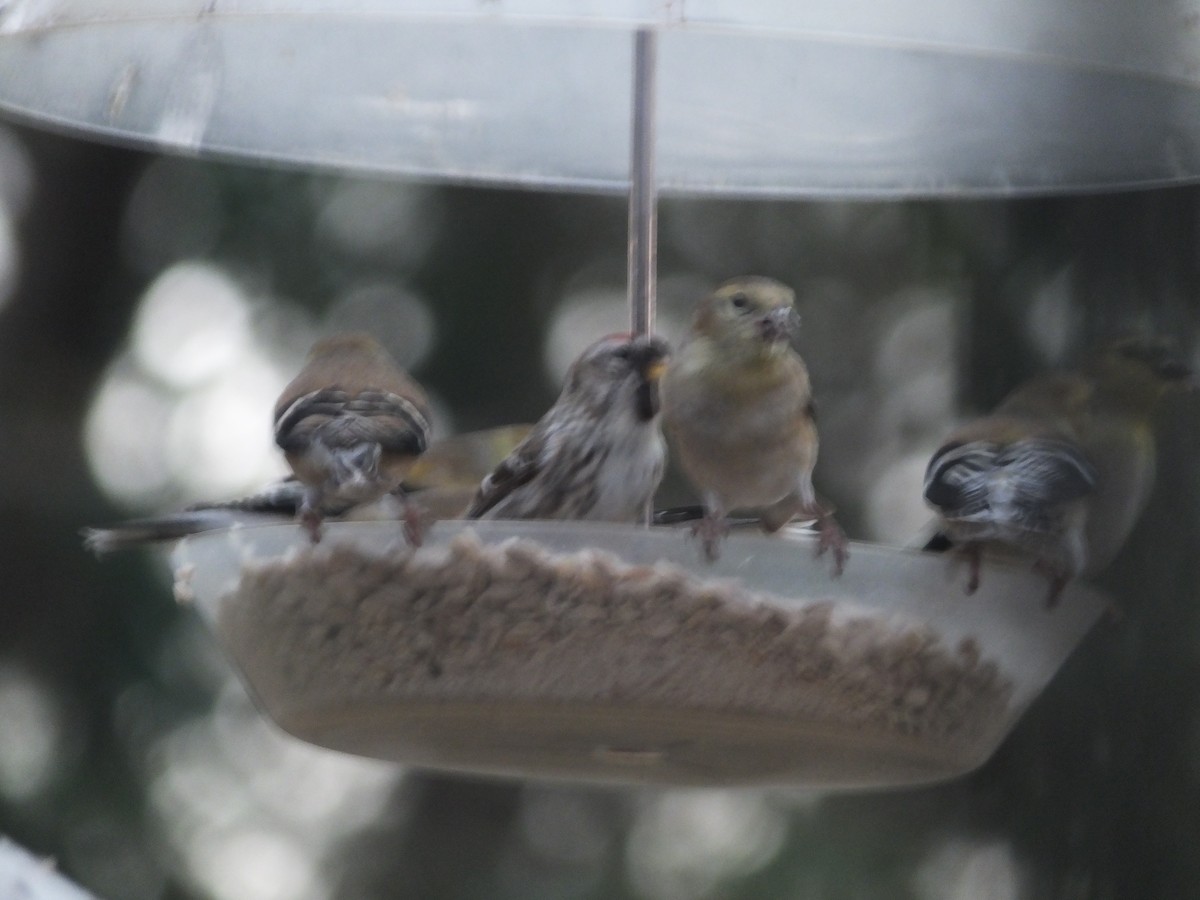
x,y
569,650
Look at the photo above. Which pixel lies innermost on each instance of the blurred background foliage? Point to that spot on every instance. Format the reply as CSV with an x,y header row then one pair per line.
x,y
152,307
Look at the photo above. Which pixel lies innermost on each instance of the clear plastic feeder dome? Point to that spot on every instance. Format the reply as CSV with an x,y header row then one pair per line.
x,y
773,98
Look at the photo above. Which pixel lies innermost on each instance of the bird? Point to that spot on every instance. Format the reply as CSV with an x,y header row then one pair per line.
x,y
442,483
1061,469
274,504
350,425
598,453
739,412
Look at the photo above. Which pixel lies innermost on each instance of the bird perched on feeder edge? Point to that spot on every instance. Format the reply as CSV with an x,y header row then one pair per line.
x,y
442,482
1062,468
275,503
738,407
350,425
598,453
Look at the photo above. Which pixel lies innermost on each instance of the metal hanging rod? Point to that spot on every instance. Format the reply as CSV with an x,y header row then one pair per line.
x,y
643,195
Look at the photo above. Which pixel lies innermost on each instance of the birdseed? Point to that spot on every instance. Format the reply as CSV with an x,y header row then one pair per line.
x,y
470,621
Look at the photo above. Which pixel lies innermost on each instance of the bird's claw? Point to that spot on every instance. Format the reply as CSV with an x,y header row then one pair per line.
x,y
414,525
311,520
1057,581
711,530
831,537
974,555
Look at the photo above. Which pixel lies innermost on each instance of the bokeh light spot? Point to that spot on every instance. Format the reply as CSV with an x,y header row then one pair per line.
x,y
125,435
917,335
252,811
381,220
193,321
677,298
594,305
581,319
563,826
896,512
152,444
1052,318
220,436
174,213
254,864
16,173
397,318
685,843
31,736
966,870
8,256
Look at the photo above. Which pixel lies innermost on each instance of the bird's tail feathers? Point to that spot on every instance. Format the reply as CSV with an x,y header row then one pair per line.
x,y
355,466
157,529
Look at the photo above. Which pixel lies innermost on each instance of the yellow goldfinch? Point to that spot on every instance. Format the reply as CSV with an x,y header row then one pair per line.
x,y
738,408
1062,468
351,424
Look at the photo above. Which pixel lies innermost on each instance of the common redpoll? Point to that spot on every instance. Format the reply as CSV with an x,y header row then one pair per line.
x,y
738,408
598,453
351,424
1063,467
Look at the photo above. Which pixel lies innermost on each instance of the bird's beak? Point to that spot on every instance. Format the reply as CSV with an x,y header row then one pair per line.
x,y
647,394
654,369
650,358
777,325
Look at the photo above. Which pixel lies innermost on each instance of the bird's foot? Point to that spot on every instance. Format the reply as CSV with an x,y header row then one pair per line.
x,y
310,518
1057,581
831,537
414,524
974,554
711,530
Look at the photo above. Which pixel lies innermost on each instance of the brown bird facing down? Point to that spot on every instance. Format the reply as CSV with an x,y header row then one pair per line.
x,y
351,424
1063,467
738,408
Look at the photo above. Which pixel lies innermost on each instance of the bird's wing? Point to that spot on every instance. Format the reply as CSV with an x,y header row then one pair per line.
x,y
463,460
519,468
393,422
1034,474
281,497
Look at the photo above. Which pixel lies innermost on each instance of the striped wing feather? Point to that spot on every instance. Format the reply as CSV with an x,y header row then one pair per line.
x,y
1026,479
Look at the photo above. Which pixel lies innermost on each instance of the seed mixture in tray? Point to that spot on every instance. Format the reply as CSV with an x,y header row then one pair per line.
x,y
475,621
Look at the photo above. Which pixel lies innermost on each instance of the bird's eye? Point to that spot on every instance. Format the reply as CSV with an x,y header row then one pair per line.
x,y
739,300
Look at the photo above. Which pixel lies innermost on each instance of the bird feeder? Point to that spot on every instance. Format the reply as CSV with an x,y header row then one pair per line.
x,y
612,653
